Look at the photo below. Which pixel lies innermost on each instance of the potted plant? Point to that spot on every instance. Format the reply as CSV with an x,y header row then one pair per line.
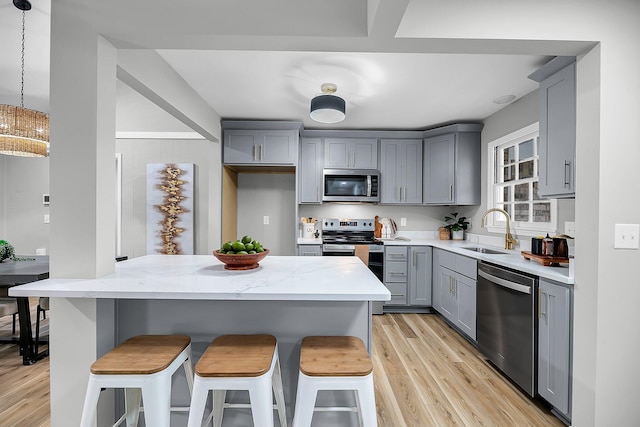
x,y
456,225
6,250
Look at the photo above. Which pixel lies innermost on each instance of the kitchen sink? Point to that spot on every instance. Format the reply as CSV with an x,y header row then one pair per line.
x,y
484,250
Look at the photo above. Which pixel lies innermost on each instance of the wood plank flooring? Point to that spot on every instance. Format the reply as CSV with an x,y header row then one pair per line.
x,y
24,390
425,375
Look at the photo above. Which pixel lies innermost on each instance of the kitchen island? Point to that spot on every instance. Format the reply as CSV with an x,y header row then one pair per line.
x,y
289,297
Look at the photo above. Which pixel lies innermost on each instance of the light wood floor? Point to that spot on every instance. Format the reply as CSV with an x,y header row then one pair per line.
x,y
425,375
24,390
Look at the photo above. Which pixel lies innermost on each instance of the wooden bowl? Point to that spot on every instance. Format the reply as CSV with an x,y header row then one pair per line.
x,y
241,262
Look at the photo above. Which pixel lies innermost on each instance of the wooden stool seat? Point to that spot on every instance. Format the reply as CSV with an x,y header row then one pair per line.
x,y
239,362
335,363
237,356
143,366
141,355
334,356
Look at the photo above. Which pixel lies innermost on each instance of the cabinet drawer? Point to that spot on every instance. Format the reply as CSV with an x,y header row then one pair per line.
x,y
395,271
447,259
467,266
395,253
398,293
309,250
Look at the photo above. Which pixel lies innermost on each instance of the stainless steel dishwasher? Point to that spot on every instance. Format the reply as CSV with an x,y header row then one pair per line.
x,y
506,326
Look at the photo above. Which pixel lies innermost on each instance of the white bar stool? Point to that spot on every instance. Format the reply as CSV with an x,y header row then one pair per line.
x,y
335,363
143,366
239,362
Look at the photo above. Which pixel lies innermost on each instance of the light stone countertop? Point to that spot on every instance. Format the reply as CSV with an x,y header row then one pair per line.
x,y
291,278
512,259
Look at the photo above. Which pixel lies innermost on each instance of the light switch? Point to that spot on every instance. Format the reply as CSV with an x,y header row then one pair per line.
x,y
403,222
627,236
46,218
265,219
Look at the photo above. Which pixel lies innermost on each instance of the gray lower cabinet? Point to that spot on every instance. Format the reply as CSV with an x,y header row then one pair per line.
x,y
310,171
452,165
395,274
454,290
309,250
401,171
251,146
420,272
351,153
554,345
407,275
557,145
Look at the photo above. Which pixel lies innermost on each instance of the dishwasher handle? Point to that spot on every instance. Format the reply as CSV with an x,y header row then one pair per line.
x,y
505,283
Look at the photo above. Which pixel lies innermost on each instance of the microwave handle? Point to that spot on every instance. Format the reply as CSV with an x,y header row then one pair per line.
x,y
368,185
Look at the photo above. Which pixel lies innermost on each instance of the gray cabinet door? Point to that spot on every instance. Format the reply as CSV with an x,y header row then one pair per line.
x,y
558,134
420,275
310,171
309,250
401,171
351,153
446,299
240,146
554,344
465,293
439,166
247,146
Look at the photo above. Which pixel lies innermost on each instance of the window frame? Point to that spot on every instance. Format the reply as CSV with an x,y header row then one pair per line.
x,y
496,223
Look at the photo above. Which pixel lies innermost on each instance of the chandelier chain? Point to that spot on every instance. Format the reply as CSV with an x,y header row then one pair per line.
x,y
22,65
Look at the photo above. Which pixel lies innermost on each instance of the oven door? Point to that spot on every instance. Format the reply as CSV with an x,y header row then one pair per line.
x,y
329,249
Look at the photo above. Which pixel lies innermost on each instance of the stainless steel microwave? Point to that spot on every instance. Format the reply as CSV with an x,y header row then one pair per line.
x,y
351,185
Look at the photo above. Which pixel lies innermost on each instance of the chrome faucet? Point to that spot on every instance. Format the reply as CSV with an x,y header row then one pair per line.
x,y
509,241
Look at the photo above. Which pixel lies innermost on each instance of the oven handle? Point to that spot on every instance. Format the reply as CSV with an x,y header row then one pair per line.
x,y
505,283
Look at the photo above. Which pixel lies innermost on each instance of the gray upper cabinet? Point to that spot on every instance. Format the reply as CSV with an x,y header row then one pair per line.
x,y
554,345
557,146
253,146
452,165
351,153
310,171
401,171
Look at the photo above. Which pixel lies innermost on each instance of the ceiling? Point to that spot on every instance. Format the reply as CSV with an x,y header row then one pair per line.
x,y
383,90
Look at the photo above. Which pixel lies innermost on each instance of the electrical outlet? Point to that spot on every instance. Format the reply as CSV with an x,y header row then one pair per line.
x,y
403,222
46,218
265,219
570,228
626,236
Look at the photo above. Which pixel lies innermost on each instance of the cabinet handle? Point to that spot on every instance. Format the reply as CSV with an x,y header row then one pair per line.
x,y
317,193
542,297
415,259
261,151
353,159
451,192
254,152
399,194
567,177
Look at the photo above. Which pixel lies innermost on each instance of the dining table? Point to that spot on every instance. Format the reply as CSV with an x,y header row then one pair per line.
x,y
18,271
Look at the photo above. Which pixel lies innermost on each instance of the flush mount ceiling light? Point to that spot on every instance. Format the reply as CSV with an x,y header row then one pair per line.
x,y
504,99
23,132
327,107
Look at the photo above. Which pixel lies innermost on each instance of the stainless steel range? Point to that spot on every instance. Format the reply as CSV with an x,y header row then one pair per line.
x,y
341,235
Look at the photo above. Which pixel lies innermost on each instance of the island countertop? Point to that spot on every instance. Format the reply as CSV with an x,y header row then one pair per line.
x,y
203,277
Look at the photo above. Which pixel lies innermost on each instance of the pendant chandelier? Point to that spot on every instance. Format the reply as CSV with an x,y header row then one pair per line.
x,y
23,132
328,108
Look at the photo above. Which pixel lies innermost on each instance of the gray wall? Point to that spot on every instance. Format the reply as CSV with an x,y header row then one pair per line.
x,y
24,181
273,195
135,156
523,112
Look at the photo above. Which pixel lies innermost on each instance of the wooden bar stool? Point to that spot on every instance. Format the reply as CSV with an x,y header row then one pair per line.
x,y
334,363
239,362
143,366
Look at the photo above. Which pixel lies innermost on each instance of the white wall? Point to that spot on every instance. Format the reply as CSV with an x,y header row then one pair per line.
x,y
24,181
135,156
